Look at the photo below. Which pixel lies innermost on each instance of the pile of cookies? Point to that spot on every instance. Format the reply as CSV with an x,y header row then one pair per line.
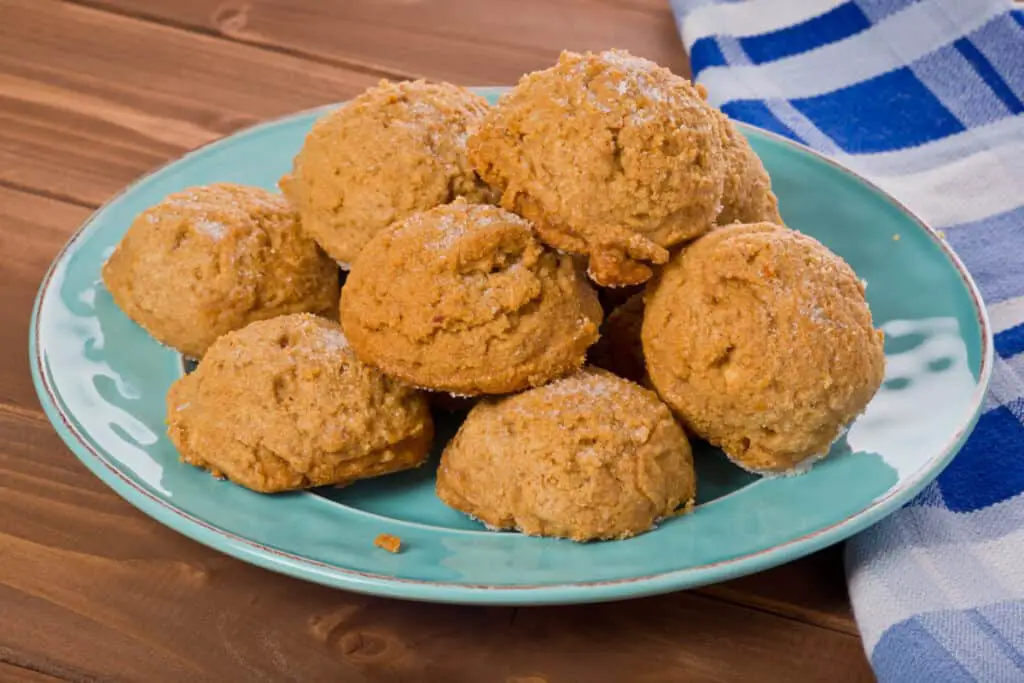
x,y
595,268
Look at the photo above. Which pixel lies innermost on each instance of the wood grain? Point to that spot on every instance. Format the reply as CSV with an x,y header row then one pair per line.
x,y
811,590
137,602
10,673
32,230
473,43
90,100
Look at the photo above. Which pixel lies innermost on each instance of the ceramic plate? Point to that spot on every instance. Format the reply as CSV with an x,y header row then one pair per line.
x,y
102,382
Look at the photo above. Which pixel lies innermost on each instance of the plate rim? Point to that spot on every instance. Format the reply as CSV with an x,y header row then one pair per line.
x,y
267,557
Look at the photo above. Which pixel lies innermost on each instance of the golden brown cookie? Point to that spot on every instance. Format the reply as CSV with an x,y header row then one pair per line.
x,y
619,349
463,298
212,259
284,404
590,456
747,196
395,149
762,342
610,155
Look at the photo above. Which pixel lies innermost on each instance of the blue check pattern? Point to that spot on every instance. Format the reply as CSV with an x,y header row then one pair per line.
x,y
926,98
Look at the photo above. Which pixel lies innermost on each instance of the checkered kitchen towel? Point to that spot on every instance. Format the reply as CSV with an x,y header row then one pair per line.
x,y
926,98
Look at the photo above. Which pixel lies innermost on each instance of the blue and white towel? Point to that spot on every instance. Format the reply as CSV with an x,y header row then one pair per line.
x,y
926,98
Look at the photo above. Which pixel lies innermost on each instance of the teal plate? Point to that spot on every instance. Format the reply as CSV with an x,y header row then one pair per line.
x,y
102,382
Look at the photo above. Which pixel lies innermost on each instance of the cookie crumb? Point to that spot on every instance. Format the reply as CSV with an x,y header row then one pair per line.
x,y
896,237
388,542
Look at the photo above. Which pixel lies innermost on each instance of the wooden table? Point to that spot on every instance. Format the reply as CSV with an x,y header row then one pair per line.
x,y
94,93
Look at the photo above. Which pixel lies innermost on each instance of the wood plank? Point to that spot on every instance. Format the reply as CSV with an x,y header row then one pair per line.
x,y
10,673
32,230
811,590
658,7
90,100
136,601
475,43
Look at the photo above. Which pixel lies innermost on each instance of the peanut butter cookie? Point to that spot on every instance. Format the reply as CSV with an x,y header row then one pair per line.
x,y
284,404
761,340
619,349
610,155
464,299
747,196
396,149
590,456
212,259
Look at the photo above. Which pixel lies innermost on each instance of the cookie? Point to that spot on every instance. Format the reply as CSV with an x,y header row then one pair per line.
x,y
619,349
747,195
587,457
762,342
284,404
464,299
212,259
396,149
610,155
